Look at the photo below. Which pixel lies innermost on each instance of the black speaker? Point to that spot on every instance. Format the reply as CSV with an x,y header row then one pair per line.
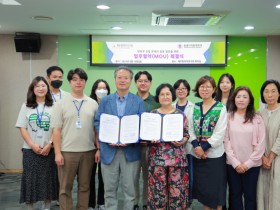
x,y
27,42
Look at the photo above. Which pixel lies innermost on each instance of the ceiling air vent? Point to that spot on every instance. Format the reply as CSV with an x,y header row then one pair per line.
x,y
185,19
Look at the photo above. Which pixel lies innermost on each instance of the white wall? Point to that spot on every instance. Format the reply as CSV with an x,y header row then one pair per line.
x,y
273,57
14,81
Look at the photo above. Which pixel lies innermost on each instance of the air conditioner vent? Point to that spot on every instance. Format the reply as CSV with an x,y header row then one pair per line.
x,y
185,19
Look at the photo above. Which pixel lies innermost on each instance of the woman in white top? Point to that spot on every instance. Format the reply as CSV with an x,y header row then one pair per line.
x,y
182,88
39,177
268,191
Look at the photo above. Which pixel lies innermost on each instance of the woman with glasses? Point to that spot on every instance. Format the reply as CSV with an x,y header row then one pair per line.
x,y
182,89
207,128
268,190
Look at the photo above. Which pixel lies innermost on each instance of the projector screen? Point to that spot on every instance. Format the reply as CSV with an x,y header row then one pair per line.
x,y
158,51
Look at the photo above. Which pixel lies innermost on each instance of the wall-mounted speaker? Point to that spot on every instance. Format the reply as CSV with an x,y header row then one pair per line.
x,y
27,42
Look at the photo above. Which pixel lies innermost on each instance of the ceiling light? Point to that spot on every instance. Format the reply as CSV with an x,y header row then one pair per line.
x,y
193,3
42,18
249,27
117,28
103,7
9,2
278,6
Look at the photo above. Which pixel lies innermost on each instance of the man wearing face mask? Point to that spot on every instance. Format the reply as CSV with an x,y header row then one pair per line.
x,y
55,79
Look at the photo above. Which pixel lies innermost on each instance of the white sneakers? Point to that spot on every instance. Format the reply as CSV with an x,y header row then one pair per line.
x,y
101,207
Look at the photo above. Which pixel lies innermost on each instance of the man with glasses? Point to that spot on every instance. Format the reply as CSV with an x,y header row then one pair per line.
x,y
143,81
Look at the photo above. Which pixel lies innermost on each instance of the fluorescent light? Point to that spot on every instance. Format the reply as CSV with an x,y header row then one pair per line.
x,y
9,2
103,7
42,18
278,6
249,27
193,3
117,28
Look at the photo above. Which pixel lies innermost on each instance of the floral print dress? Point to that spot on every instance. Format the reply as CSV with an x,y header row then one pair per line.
x,y
168,181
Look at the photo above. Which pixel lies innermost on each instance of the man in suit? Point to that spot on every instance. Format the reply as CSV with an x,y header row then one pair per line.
x,y
119,162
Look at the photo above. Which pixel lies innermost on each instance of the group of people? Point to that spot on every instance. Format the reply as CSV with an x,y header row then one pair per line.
x,y
225,143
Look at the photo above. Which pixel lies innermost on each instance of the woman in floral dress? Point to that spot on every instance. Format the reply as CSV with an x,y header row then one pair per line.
x,y
168,173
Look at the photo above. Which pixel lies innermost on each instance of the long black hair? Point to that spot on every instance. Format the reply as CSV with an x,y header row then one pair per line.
x,y
250,110
219,91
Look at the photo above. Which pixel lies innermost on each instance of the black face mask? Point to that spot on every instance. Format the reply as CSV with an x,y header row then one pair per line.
x,y
56,83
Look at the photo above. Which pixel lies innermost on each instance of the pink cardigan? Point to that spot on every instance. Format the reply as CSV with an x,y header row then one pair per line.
x,y
244,143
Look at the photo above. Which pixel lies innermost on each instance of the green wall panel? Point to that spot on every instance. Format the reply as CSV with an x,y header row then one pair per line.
x,y
247,63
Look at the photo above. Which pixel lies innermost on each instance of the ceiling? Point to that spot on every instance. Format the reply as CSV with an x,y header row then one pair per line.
x,y
81,17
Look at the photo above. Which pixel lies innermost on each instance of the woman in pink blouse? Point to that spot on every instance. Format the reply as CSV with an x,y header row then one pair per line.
x,y
244,146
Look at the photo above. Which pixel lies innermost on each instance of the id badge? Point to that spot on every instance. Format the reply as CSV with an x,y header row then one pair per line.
x,y
78,123
39,134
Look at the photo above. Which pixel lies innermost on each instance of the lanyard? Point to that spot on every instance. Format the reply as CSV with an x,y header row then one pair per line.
x,y
149,103
40,116
78,108
53,96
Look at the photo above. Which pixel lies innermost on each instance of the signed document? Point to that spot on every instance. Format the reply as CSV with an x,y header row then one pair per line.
x,y
119,130
165,128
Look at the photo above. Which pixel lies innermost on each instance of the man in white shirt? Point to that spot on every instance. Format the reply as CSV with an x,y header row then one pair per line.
x,y
73,139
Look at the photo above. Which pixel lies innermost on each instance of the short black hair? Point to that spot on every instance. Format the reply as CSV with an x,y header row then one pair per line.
x,y
164,85
139,73
82,74
185,83
53,68
267,82
201,81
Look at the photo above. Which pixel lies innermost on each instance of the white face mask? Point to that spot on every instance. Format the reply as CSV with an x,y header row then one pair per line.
x,y
101,93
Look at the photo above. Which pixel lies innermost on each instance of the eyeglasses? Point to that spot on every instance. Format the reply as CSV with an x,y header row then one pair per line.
x,y
273,92
143,81
181,89
205,87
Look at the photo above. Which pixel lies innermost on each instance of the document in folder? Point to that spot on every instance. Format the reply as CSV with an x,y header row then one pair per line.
x,y
165,128
119,130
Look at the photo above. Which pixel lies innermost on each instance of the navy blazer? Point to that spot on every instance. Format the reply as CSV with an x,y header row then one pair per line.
x,y
108,105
